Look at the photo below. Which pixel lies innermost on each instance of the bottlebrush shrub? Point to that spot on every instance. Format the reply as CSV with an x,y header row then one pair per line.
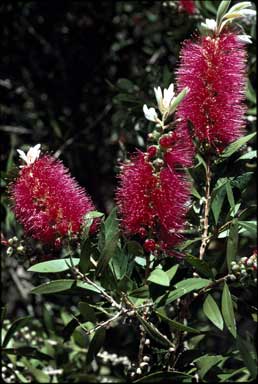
x,y
152,202
214,68
48,202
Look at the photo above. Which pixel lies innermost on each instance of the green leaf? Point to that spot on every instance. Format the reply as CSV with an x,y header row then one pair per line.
x,y
241,181
38,374
233,147
217,201
15,327
28,352
212,311
159,277
248,156
200,265
186,286
171,272
87,312
119,263
95,344
89,287
54,266
228,311
153,332
93,215
165,377
222,9
230,196
111,236
54,286
244,349
206,362
250,226
176,324
141,292
232,243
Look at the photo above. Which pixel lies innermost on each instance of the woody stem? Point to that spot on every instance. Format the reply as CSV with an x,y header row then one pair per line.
x,y
205,238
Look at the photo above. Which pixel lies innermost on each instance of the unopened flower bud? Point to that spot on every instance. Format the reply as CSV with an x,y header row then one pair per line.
x,y
158,163
143,364
9,251
146,358
235,268
20,249
138,371
147,342
243,260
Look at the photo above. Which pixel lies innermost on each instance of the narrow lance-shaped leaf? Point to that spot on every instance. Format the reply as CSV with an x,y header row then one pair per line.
x,y
54,266
160,277
228,311
233,147
212,311
232,243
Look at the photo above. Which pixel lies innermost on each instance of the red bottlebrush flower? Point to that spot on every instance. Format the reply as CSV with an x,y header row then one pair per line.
x,y
214,70
188,6
154,201
170,204
48,201
133,194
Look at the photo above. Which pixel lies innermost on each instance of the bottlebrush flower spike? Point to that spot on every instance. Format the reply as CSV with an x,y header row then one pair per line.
x,y
152,201
47,201
214,70
188,6
170,200
134,194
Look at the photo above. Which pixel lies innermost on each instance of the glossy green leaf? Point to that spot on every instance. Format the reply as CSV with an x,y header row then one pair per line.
x,y
111,236
93,215
54,286
15,327
248,156
236,145
228,311
95,344
165,377
176,324
212,311
54,266
232,243
250,226
206,362
141,292
159,277
186,286
222,9
171,272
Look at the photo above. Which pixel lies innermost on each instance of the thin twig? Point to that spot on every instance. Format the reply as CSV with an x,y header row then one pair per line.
x,y
101,290
205,237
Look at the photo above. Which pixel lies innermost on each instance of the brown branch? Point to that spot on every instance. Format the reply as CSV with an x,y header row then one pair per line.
x,y
205,237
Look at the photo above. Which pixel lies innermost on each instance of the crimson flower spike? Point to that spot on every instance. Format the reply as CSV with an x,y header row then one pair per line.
x,y
153,194
214,68
47,201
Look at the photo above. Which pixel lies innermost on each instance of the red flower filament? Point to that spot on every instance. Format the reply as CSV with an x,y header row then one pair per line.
x,y
48,201
214,70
